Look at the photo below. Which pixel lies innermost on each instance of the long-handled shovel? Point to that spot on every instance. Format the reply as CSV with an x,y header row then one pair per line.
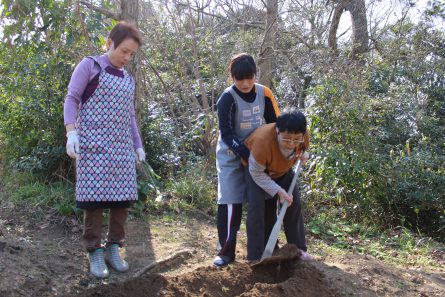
x,y
270,246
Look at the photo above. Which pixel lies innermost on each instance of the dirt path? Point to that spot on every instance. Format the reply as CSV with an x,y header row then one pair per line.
x,y
42,257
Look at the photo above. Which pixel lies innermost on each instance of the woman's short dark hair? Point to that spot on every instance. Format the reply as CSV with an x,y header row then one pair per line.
x,y
123,31
292,121
242,66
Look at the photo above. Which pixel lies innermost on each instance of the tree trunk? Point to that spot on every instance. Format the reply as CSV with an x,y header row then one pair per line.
x,y
266,56
360,34
130,10
303,93
130,13
196,66
332,39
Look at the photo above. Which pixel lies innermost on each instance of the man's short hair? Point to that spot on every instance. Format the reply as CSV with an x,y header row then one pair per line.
x,y
292,121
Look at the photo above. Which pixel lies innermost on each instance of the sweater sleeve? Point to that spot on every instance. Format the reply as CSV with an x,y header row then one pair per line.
x,y
271,110
261,178
226,118
79,81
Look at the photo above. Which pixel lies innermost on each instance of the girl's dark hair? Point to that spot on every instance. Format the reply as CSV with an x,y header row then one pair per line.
x,y
242,66
292,121
123,31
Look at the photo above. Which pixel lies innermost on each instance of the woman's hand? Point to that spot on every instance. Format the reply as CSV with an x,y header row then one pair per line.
x,y
72,144
284,196
140,155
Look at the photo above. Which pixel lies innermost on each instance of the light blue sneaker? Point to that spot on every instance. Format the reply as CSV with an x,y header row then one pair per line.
x,y
98,268
113,258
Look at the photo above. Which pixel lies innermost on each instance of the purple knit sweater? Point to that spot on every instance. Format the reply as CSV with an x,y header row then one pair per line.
x,y
80,85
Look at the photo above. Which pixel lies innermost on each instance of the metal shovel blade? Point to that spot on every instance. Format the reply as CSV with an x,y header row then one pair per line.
x,y
270,246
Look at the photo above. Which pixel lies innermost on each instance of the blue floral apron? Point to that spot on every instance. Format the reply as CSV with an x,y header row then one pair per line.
x,y
106,167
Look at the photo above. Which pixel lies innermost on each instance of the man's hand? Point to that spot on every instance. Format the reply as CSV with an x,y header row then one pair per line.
x,y
284,196
304,157
140,155
72,144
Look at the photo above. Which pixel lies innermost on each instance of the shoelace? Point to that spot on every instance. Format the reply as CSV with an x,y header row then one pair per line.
x,y
97,259
115,257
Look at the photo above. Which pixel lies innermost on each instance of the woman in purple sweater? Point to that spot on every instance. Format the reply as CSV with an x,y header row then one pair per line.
x,y
103,136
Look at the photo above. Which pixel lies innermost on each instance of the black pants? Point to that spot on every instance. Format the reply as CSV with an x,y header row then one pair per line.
x,y
229,221
261,216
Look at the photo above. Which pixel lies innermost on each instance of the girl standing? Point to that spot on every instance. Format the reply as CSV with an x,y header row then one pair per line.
x,y
242,108
103,137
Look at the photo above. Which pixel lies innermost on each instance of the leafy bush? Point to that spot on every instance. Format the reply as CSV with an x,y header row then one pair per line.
x,y
160,142
370,159
195,186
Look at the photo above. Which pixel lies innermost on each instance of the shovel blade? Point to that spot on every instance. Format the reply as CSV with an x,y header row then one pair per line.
x,y
287,253
270,246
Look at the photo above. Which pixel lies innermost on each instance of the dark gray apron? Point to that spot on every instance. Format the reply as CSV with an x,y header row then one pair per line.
x,y
249,116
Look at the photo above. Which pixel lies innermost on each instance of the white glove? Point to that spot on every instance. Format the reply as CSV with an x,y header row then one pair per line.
x,y
140,155
72,144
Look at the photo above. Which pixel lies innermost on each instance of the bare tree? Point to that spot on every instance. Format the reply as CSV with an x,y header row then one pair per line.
x,y
360,36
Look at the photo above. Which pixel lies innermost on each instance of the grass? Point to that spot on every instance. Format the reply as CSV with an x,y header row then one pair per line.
x,y
191,189
195,191
190,195
25,190
331,235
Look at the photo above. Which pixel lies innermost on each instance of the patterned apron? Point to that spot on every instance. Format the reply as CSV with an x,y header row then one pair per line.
x,y
249,116
106,167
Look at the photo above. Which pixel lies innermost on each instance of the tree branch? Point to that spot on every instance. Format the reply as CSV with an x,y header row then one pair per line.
x,y
185,253
84,31
106,12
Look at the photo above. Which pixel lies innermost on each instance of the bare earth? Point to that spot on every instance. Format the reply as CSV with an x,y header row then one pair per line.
x,y
42,256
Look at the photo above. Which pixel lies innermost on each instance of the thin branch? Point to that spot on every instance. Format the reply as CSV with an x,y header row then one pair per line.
x,y
106,12
65,179
84,31
181,253
201,10
257,25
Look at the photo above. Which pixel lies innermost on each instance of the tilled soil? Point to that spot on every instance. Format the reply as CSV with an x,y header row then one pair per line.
x,y
42,256
239,279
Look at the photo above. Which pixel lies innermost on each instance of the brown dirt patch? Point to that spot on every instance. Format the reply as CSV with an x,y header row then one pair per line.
x,y
236,280
43,257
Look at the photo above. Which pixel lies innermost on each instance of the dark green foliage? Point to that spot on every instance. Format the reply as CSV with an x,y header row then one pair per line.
x,y
158,132
148,182
379,140
35,68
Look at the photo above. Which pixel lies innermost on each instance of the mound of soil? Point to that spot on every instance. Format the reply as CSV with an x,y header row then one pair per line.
x,y
239,279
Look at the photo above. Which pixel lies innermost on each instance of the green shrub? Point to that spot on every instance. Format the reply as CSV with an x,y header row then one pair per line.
x,y
370,161
196,187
